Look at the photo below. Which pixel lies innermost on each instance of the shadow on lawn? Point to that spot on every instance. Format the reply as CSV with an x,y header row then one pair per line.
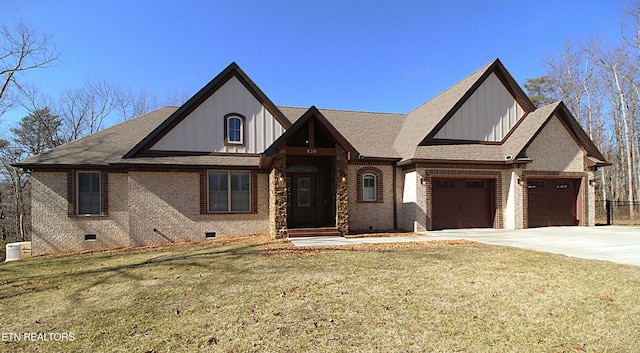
x,y
205,258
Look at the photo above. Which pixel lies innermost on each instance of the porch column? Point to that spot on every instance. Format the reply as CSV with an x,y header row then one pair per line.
x,y
342,191
278,195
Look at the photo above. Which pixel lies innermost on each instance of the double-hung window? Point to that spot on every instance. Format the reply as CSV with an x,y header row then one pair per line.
x,y
369,192
89,193
229,191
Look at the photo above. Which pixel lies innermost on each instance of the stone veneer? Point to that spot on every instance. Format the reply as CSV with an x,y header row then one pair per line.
x,y
342,190
278,195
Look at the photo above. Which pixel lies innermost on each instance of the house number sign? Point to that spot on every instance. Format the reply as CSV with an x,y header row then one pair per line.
x,y
312,151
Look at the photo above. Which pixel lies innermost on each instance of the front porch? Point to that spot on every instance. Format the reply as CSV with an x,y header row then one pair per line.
x,y
308,190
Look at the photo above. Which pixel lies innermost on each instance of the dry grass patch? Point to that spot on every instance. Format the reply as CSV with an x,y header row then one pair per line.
x,y
286,248
265,296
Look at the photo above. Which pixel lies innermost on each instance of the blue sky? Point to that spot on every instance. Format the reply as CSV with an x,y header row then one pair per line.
x,y
371,55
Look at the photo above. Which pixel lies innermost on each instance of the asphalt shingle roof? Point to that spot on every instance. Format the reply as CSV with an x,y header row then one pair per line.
x,y
103,147
422,120
372,134
377,135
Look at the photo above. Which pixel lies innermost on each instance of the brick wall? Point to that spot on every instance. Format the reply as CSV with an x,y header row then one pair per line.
x,y
54,231
555,149
165,207
375,215
144,208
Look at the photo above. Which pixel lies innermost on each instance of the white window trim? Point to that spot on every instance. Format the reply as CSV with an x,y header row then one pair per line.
x,y
229,190
78,192
375,187
241,142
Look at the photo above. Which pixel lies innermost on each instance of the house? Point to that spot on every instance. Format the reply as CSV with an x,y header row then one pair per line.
x,y
231,162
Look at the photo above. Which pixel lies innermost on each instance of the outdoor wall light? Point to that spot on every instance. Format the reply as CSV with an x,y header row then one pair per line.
x,y
521,182
423,181
343,176
280,178
592,182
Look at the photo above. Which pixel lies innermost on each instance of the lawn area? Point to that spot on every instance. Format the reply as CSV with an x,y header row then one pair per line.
x,y
264,296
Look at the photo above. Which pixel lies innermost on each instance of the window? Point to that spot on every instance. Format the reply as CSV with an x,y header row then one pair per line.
x,y
369,187
234,129
304,191
369,184
535,185
444,184
89,200
563,185
229,191
476,185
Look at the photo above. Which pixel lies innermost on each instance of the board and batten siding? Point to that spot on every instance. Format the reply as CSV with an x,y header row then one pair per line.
x,y
203,129
488,115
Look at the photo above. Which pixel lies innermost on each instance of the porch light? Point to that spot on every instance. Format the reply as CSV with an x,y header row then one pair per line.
x,y
592,182
423,181
343,176
521,182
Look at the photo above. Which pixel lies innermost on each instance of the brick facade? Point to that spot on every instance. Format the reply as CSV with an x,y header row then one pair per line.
x,y
145,208
54,230
371,215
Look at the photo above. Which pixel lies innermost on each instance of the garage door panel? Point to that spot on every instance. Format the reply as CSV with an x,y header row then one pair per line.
x,y
553,202
462,204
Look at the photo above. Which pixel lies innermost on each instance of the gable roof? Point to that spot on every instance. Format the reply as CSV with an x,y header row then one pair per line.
x,y
560,110
425,121
312,112
515,145
371,134
107,147
399,137
233,70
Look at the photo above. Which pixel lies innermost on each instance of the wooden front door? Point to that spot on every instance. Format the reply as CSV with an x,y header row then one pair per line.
x,y
308,200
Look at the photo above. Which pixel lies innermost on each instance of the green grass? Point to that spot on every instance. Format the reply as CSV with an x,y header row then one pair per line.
x,y
239,297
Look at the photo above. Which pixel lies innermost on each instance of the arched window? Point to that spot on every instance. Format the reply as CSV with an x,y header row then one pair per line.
x,y
369,191
369,184
234,129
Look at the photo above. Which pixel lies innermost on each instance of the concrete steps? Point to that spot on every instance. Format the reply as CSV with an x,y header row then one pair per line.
x,y
314,232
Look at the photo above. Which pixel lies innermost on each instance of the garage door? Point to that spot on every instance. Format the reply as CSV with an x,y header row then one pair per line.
x,y
461,203
553,202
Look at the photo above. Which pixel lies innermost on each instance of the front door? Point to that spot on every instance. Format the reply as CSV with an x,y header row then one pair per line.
x,y
308,200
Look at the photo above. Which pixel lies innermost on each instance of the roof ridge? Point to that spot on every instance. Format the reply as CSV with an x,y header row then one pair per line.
x,y
343,110
483,68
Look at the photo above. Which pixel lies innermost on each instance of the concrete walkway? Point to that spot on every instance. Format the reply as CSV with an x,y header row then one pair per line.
x,y
611,243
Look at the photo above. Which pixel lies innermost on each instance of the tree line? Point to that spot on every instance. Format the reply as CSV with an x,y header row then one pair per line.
x,y
50,121
600,84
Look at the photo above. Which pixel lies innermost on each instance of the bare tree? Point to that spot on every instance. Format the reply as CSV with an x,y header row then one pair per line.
x,y
22,48
177,98
130,104
85,109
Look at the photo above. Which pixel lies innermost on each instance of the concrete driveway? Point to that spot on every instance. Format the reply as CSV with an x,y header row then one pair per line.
x,y
611,243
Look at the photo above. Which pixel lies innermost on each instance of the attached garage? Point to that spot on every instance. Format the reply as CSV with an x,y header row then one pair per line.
x,y
463,203
553,202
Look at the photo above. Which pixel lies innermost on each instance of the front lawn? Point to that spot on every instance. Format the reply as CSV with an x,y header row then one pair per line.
x,y
262,296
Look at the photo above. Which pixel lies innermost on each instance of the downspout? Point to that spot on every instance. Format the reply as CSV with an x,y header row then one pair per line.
x,y
395,201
